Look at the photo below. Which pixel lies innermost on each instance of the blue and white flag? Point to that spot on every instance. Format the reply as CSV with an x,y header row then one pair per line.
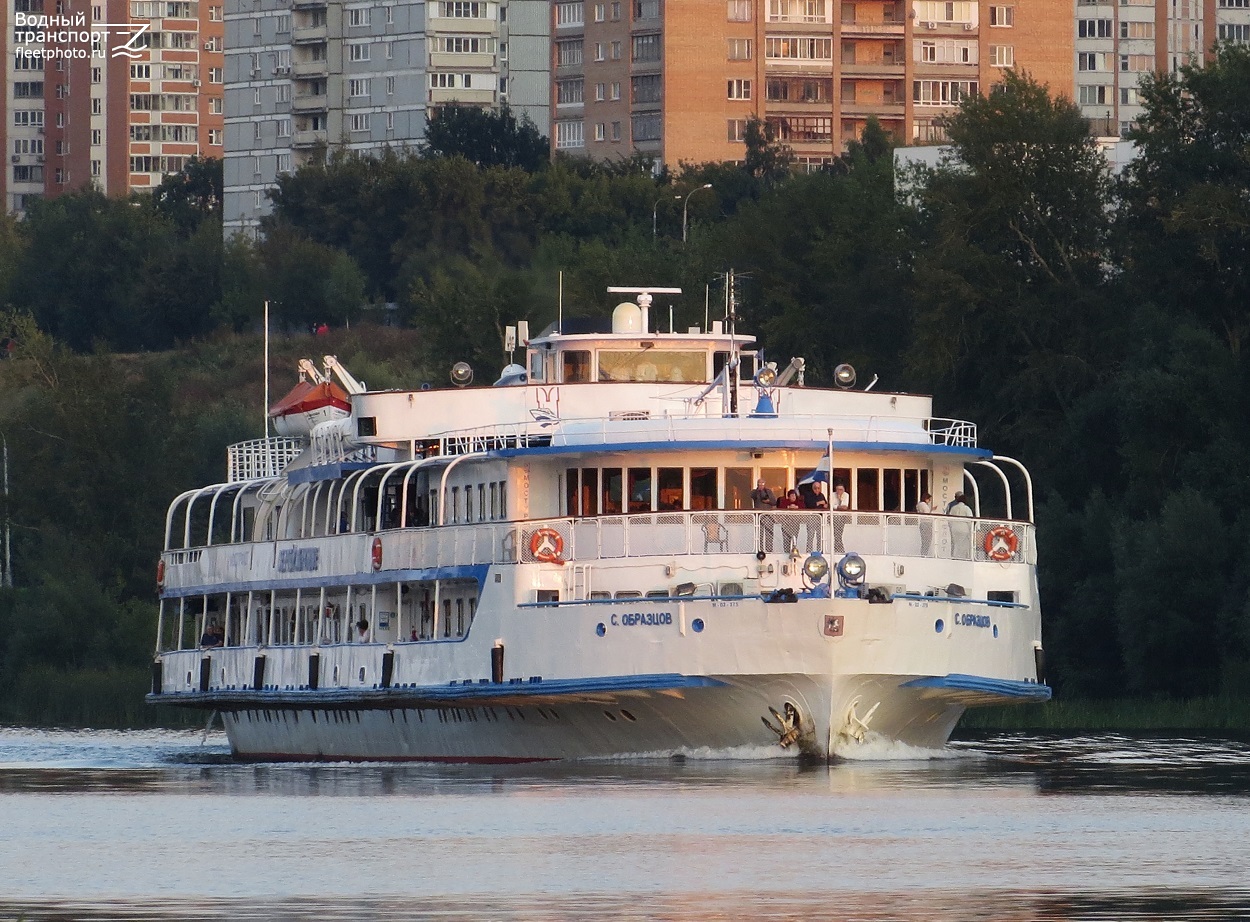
x,y
820,475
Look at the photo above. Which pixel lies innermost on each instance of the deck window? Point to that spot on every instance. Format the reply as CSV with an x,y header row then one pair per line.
x,y
738,487
613,481
891,490
640,489
703,488
672,495
589,491
866,497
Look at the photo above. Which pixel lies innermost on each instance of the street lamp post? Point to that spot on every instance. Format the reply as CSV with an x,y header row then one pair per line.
x,y
8,560
655,211
685,208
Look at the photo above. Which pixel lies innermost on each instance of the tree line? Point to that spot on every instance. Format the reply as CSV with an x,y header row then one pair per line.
x,y
1092,324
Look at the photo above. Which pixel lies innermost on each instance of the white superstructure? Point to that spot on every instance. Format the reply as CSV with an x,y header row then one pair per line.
x,y
569,565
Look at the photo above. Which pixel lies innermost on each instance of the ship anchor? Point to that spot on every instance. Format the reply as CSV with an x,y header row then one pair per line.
x,y
855,727
788,726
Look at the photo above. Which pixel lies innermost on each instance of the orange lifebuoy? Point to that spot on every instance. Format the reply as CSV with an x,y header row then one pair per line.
x,y
1000,543
547,546
377,553
160,573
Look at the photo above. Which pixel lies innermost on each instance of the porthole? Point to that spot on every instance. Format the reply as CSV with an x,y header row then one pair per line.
x,y
939,625
610,716
336,675
600,629
188,678
697,625
996,632
362,673
628,716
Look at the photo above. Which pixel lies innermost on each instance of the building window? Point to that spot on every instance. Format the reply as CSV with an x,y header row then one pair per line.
x,y
600,92
97,106
646,48
616,11
601,132
739,10
284,163
569,92
282,92
1139,63
1002,17
358,52
1130,96
616,90
260,199
256,131
795,47
216,74
1232,32
648,88
739,89
616,131
646,126
570,134
214,137
358,86
1002,56
737,129
599,51
97,137
390,86
1093,28
358,122
284,127
738,49
646,9
95,167
214,14
942,92
1142,30
569,53
570,14
599,7
616,51
358,16
390,121
97,74
463,9
140,71
1092,95
1094,61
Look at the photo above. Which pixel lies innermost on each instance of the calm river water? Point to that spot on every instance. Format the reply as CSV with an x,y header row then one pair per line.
x,y
160,825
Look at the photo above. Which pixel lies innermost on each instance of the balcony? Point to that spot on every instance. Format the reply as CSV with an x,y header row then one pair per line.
x,y
441,96
307,139
441,60
461,26
304,35
308,4
880,108
310,69
878,69
873,29
318,103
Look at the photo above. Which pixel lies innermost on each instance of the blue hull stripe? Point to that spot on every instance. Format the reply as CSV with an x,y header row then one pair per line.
x,y
1006,689
449,695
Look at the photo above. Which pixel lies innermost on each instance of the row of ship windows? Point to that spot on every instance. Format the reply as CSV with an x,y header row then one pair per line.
x,y
614,491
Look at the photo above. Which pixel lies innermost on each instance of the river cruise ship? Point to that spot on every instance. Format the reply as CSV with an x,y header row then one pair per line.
x,y
574,563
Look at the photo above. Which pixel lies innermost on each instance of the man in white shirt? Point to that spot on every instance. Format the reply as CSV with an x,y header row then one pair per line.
x,y
840,499
961,532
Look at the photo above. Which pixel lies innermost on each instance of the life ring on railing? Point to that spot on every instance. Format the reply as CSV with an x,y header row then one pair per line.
x,y
376,553
160,574
547,546
1000,543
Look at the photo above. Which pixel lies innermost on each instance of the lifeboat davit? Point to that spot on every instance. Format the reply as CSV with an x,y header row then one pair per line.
x,y
308,404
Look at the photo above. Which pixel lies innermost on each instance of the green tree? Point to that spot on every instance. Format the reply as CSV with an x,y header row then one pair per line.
x,y
192,195
486,138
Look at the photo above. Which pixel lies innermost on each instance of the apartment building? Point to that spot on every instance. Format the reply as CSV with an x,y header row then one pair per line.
x,y
679,80
113,93
1120,41
304,77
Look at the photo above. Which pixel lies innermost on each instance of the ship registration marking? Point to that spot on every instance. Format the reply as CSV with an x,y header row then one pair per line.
x,y
642,619
970,620
299,559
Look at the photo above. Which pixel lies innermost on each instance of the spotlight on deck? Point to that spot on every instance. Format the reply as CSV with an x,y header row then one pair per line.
x,y
815,568
461,374
844,375
766,376
852,570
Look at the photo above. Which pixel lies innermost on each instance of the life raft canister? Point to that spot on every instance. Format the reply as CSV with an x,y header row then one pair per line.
x,y
547,546
1000,543
376,553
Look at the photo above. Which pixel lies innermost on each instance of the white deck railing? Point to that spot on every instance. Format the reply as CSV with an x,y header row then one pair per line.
x,y
660,534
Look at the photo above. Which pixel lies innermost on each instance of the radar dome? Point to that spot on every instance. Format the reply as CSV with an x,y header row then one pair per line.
x,y
627,318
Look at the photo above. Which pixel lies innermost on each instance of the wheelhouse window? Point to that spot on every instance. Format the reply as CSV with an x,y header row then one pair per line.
x,y
652,365
738,487
576,366
703,488
640,489
671,492
611,496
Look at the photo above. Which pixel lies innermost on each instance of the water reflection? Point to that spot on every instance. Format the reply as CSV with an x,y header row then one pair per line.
x,y
1000,827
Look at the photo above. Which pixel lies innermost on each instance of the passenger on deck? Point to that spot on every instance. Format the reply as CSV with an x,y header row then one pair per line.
x,y
214,636
925,507
817,499
362,631
961,532
761,496
840,499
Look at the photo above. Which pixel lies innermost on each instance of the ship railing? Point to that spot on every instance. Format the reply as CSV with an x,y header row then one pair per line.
x,y
262,459
612,537
817,429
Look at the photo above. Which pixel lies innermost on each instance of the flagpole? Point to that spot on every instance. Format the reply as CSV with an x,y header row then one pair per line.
x,y
265,408
830,462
